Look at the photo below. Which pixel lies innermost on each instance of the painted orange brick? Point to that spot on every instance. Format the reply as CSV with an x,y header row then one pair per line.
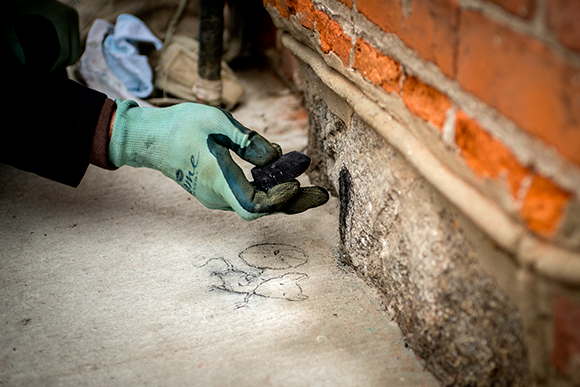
x,y
566,345
377,67
387,14
430,29
564,19
523,79
332,37
544,205
425,101
523,8
487,156
303,9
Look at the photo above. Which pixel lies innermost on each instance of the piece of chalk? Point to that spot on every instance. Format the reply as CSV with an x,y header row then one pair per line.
x,y
289,166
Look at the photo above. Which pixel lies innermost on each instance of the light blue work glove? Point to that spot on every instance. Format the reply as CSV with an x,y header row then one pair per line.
x,y
190,143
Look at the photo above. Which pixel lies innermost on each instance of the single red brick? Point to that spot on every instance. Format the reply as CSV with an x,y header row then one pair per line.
x,y
564,19
566,333
523,79
377,67
425,101
430,29
486,155
544,205
523,8
332,37
387,14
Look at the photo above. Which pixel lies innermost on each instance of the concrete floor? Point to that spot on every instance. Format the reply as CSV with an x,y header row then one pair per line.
x,y
127,280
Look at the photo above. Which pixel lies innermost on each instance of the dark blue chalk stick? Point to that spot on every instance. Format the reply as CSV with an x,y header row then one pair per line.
x,y
289,166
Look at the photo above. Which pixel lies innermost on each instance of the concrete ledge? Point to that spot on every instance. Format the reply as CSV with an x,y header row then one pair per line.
x,y
417,248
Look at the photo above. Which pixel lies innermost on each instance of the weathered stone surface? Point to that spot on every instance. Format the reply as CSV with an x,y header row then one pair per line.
x,y
405,239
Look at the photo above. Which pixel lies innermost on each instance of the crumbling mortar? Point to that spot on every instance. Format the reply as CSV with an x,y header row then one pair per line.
x,y
448,135
293,26
340,13
529,150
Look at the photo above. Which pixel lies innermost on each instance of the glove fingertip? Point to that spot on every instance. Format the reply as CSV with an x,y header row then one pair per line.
x,y
281,193
308,197
278,148
260,151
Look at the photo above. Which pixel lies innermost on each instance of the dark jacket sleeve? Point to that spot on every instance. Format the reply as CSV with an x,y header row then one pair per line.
x,y
49,126
50,122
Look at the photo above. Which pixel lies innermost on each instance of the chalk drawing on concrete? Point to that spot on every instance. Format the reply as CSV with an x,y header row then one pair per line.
x,y
275,256
264,270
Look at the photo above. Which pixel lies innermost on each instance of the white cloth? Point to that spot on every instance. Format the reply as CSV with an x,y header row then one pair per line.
x,y
94,69
123,57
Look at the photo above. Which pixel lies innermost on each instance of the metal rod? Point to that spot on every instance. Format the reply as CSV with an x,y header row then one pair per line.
x,y
211,27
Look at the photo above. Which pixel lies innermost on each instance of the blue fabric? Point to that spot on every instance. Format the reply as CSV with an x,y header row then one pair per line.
x,y
123,57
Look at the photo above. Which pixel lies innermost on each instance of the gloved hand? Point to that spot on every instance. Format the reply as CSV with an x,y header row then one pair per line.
x,y
190,143
42,34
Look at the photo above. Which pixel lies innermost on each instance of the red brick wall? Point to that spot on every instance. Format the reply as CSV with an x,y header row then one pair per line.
x,y
521,60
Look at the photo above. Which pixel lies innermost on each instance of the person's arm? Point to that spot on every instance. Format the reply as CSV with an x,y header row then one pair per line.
x,y
53,128
54,119
103,130
62,126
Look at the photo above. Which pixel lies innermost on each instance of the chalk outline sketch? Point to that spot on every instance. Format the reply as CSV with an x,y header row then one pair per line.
x,y
276,249
256,280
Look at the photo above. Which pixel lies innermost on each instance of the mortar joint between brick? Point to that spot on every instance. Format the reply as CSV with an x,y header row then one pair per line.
x,y
352,53
448,134
524,187
407,9
402,79
539,19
